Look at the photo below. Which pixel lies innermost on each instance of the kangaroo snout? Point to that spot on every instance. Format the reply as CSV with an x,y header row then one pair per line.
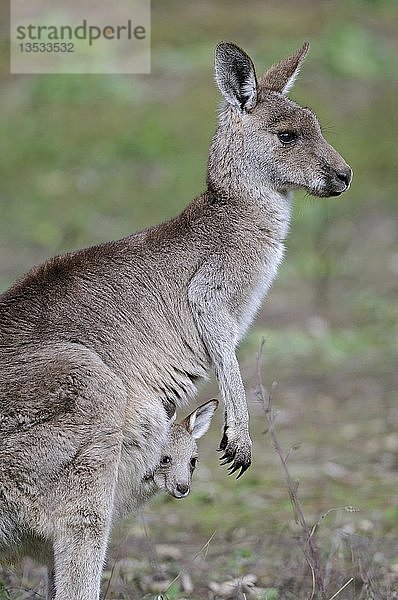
x,y
340,180
337,174
181,490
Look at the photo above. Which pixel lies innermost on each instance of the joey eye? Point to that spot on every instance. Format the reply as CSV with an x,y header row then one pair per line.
x,y
194,462
165,460
287,137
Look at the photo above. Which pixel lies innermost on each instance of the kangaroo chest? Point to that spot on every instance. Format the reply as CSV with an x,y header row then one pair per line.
x,y
259,281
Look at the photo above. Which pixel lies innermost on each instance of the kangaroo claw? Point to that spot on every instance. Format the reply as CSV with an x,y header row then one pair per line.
x,y
243,469
236,452
232,469
226,458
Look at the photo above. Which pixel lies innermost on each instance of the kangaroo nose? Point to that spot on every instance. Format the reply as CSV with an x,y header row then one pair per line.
x,y
345,176
182,489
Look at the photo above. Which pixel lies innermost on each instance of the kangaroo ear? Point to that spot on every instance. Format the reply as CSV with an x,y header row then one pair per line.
x,y
235,76
281,76
198,422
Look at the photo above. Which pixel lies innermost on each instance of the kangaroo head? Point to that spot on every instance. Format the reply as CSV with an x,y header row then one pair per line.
x,y
180,454
279,144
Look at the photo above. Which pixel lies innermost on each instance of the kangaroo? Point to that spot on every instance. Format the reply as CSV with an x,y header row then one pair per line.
x,y
96,343
174,473
179,456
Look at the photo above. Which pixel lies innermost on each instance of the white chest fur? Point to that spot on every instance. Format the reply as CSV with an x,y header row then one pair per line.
x,y
269,267
274,214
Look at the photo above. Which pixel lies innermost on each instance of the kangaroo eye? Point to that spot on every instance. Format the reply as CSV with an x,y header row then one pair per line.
x,y
194,462
165,460
287,137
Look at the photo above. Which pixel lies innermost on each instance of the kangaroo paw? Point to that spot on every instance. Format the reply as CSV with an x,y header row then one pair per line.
x,y
236,449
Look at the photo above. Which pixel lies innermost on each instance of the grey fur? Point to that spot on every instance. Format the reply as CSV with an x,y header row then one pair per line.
x,y
172,476
95,345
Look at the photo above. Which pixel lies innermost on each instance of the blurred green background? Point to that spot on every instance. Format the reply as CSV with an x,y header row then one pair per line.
x,y
90,158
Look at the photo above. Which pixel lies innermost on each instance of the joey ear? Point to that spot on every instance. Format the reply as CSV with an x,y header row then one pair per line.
x,y
198,422
281,76
236,76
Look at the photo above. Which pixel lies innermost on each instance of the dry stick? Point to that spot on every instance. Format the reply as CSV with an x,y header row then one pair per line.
x,y
107,589
153,557
312,555
111,576
204,549
341,589
24,589
310,549
351,509
367,579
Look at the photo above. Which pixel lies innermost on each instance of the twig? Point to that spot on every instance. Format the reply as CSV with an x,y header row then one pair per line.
x,y
153,555
118,553
342,588
152,552
336,509
310,549
204,549
367,580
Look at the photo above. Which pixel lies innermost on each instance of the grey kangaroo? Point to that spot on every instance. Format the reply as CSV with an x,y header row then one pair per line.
x,y
174,473
179,456
96,343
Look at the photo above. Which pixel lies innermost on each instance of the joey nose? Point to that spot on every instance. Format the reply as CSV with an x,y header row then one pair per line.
x,y
182,490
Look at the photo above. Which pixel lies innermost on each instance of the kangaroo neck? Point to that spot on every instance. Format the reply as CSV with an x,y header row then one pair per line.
x,y
230,181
